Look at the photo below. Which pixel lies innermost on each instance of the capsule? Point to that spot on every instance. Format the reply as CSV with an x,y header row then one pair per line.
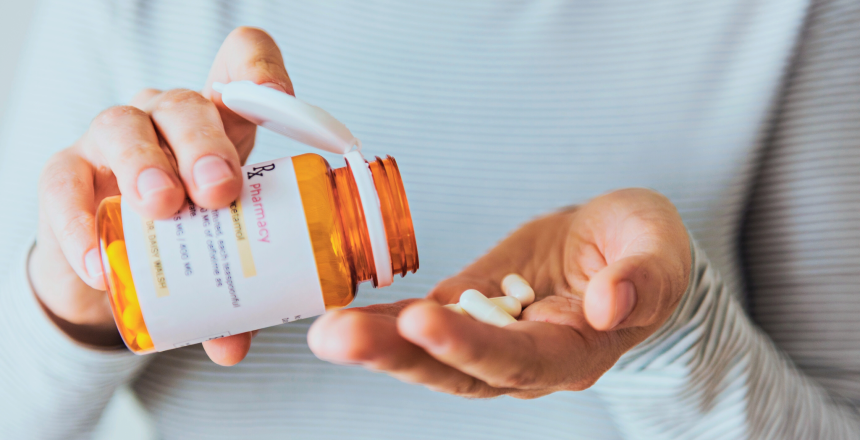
x,y
517,287
481,308
510,305
456,308
123,273
132,317
143,341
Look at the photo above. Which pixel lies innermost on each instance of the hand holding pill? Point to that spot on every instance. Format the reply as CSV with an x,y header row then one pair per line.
x,y
498,311
590,283
510,305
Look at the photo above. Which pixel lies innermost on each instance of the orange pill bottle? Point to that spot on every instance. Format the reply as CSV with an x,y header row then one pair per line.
x,y
296,243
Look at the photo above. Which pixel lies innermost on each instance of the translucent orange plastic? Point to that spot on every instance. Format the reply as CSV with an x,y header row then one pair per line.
x,y
338,233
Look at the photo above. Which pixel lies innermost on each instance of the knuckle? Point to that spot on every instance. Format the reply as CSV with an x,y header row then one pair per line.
x,y
585,382
266,64
137,153
50,170
76,229
471,387
523,377
58,180
203,134
181,98
117,115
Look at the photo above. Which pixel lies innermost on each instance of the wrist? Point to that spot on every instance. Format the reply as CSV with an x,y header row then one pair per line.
x,y
69,304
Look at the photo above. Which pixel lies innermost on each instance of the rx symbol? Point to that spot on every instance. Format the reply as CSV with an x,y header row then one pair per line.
x,y
258,171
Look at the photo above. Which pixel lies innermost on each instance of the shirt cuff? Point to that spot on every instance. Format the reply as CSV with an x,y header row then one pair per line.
x,y
24,319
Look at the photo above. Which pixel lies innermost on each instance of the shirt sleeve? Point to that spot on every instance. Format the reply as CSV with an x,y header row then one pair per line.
x,y
50,387
710,373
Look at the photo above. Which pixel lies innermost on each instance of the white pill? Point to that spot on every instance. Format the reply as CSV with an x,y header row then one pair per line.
x,y
509,304
517,287
456,308
479,307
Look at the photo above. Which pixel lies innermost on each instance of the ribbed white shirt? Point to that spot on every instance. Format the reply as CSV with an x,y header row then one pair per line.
x,y
746,113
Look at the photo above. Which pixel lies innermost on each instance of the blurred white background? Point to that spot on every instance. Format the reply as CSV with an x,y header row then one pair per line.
x,y
124,418
15,18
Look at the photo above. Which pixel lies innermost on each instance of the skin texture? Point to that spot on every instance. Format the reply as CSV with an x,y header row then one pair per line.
x,y
155,151
578,261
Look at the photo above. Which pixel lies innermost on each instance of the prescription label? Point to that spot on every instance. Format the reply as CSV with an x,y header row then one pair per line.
x,y
205,274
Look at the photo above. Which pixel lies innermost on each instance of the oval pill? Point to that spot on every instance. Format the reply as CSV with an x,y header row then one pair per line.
x,y
481,308
130,294
509,304
144,342
132,317
456,308
116,252
517,287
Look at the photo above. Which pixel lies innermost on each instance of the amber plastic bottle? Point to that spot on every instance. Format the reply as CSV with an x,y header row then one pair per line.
x,y
338,233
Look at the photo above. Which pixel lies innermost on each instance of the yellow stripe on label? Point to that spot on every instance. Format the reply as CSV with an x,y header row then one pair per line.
x,y
242,242
154,255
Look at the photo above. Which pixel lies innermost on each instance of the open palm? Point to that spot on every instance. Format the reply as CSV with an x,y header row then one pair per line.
x,y
606,274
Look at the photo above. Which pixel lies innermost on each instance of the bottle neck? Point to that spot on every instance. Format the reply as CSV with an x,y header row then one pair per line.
x,y
399,230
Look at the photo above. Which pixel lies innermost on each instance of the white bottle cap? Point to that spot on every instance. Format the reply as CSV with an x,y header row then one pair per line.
x,y
311,125
372,216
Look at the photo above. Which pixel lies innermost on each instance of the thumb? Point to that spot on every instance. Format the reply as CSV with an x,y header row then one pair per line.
x,y
635,291
247,54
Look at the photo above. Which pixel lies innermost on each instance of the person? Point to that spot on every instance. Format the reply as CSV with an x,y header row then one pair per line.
x,y
723,308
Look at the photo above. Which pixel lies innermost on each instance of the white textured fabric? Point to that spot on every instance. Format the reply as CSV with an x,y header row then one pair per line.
x,y
496,112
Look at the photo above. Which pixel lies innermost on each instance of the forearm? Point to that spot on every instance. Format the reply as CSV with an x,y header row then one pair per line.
x,y
710,373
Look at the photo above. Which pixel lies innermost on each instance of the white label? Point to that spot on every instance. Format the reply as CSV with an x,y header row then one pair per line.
x,y
206,274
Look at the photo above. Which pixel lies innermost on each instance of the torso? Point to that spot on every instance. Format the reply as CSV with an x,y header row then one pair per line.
x,y
496,112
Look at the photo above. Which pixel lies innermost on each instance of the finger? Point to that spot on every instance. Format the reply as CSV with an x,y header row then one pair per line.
x,y
142,98
647,251
635,291
390,309
123,139
207,160
372,340
522,355
247,54
67,198
230,350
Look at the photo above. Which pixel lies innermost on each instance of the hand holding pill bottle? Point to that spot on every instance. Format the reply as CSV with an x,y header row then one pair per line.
x,y
199,247
296,243
590,283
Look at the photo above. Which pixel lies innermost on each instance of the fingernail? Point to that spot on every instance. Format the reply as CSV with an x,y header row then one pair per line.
x,y
152,180
625,300
93,264
211,171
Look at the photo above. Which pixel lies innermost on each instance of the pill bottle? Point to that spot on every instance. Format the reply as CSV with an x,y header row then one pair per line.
x,y
296,243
